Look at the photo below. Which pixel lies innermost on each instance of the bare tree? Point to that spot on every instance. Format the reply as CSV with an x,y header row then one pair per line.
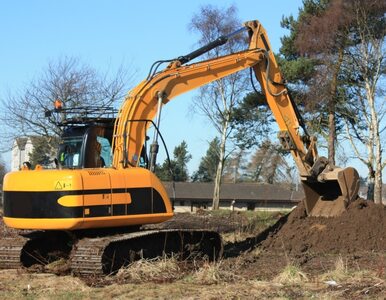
x,y
367,61
2,170
217,101
67,79
234,166
268,165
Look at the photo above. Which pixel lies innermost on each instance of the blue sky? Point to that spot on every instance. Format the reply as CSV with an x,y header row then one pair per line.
x,y
106,34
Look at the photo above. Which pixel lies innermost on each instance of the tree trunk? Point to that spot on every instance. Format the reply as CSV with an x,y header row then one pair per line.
x,y
377,196
378,167
370,184
332,132
220,167
378,187
332,108
371,174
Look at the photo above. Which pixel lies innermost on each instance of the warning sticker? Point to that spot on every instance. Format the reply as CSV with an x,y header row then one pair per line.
x,y
58,186
61,185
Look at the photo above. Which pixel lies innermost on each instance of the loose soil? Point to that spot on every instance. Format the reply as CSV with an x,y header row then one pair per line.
x,y
258,247
361,228
315,244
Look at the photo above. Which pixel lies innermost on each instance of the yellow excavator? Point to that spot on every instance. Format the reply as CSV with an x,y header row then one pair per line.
x,y
104,188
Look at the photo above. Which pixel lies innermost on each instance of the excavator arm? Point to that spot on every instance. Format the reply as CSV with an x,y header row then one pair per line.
x,y
328,189
145,100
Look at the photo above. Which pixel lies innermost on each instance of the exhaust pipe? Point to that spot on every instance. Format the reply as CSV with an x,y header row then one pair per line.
x,y
329,194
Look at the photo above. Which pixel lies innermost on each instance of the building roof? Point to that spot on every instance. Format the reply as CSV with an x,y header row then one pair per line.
x,y
234,191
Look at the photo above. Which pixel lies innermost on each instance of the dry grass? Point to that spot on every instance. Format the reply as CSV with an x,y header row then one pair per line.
x,y
161,269
291,275
342,274
18,284
245,289
212,273
207,281
60,266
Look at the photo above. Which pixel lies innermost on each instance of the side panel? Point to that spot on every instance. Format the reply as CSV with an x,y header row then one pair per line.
x,y
137,197
120,195
88,198
148,192
97,193
44,199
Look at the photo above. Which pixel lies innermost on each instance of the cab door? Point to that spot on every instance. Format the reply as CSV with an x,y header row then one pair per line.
x,y
96,193
121,197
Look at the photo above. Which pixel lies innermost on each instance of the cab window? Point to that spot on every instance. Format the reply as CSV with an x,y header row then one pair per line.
x,y
105,151
69,153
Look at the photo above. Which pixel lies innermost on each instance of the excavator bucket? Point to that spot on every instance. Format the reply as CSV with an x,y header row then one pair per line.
x,y
331,193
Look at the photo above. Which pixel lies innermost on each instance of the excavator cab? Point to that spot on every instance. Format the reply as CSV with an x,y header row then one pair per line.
x,y
87,134
87,145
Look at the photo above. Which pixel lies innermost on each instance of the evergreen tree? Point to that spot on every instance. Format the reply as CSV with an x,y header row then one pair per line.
x,y
315,55
177,169
208,166
268,165
252,120
181,159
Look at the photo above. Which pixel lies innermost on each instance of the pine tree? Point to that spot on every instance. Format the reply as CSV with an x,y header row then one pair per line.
x,y
208,166
177,169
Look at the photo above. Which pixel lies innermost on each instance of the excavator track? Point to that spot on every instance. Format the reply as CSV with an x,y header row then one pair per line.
x,y
34,248
99,256
11,250
103,256
87,257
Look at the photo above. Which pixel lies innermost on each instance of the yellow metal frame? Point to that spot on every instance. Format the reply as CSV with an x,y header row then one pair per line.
x,y
141,102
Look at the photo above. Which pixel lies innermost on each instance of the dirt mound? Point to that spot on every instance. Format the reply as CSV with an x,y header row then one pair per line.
x,y
360,228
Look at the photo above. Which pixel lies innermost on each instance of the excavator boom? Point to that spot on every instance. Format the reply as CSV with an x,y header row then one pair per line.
x,y
328,189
